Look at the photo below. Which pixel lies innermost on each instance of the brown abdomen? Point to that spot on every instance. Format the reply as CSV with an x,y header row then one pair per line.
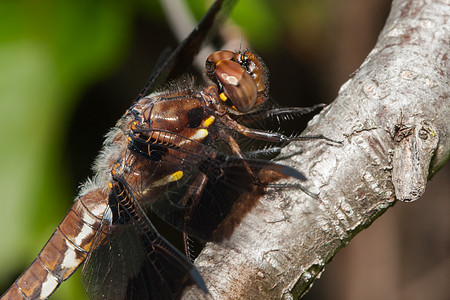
x,y
65,250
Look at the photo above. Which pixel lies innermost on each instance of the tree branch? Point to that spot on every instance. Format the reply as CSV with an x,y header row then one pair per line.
x,y
393,116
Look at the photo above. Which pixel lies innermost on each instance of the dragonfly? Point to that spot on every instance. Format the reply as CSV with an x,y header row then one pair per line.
x,y
174,153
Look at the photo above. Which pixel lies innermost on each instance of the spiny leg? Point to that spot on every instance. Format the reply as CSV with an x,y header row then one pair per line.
x,y
284,112
191,200
270,136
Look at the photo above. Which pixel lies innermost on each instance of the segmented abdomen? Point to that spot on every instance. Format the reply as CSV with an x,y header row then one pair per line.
x,y
65,250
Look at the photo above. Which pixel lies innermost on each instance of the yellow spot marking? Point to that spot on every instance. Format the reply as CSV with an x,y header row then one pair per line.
x,y
134,125
110,185
169,178
208,121
223,97
130,139
177,175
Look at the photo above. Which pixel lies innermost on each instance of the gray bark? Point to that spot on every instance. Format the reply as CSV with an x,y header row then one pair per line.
x,y
393,117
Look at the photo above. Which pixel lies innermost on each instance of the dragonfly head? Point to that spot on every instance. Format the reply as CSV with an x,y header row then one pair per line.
x,y
241,77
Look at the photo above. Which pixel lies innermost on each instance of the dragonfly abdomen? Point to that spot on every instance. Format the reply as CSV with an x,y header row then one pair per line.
x,y
66,249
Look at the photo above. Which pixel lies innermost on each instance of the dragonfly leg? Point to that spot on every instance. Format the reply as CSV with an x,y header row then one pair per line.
x,y
191,200
280,112
237,152
270,136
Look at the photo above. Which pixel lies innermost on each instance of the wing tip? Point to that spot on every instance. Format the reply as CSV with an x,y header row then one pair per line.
x,y
198,279
291,172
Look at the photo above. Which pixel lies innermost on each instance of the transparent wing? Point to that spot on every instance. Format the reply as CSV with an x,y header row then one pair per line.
x,y
135,262
194,188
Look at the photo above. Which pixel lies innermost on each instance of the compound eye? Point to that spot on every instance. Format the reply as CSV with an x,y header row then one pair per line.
x,y
237,84
214,59
220,55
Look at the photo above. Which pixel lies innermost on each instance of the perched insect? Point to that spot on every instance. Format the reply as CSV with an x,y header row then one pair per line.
x,y
173,153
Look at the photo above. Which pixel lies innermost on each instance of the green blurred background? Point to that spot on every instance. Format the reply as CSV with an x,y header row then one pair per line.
x,y
68,71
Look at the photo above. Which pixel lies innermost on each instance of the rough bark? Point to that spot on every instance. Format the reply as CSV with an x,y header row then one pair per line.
x,y
393,117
